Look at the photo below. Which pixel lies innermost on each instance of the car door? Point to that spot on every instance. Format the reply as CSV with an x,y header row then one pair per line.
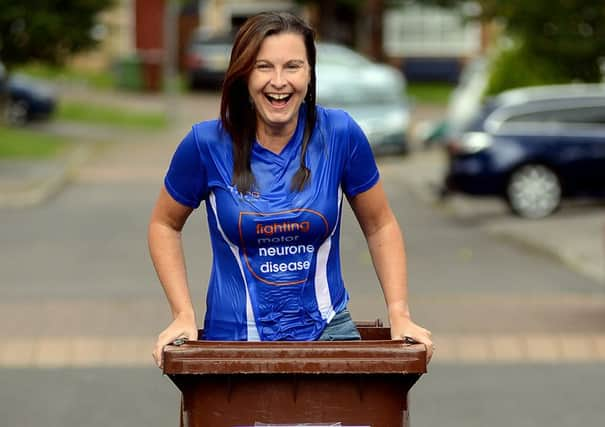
x,y
567,135
582,139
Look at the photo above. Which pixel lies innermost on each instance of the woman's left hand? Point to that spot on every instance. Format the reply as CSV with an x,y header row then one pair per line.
x,y
403,328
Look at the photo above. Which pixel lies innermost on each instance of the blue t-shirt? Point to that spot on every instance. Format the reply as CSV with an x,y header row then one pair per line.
x,y
276,271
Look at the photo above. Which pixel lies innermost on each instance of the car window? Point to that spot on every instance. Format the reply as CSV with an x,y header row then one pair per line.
x,y
218,44
343,92
338,55
581,115
365,95
549,116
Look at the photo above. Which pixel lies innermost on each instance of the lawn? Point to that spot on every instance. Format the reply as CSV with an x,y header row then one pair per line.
x,y
96,79
91,112
23,143
430,92
105,115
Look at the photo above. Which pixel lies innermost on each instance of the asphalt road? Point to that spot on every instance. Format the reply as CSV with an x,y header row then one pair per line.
x,y
450,395
519,335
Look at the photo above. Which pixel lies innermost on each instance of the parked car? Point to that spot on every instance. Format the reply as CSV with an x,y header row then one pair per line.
x,y
533,147
378,105
207,59
27,99
373,93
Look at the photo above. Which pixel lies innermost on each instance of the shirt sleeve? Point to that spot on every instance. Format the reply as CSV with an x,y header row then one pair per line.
x,y
186,180
360,170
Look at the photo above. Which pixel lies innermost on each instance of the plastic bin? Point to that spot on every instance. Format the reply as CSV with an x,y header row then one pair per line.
x,y
355,383
128,73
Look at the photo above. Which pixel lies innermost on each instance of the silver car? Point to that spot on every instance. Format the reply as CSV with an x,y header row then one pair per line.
x,y
372,93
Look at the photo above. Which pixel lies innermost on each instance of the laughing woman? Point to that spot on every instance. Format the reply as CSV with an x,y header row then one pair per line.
x,y
273,172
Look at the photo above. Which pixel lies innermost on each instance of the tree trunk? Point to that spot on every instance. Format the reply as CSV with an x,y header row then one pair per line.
x,y
375,9
4,98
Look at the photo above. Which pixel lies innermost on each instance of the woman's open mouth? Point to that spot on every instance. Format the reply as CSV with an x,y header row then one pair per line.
x,y
278,99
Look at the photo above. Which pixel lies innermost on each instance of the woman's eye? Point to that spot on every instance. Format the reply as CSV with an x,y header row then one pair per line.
x,y
263,66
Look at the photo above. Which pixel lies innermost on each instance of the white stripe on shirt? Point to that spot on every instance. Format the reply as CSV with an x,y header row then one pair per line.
x,y
322,287
252,330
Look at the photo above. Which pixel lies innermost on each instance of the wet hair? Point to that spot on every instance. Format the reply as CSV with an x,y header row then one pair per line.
x,y
237,112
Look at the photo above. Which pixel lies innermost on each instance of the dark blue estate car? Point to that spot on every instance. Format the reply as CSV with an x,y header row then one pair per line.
x,y
533,147
27,99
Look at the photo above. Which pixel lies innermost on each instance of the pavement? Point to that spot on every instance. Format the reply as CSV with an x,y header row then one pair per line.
x,y
575,236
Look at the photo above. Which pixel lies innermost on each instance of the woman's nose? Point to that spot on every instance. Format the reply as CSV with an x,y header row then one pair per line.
x,y
277,79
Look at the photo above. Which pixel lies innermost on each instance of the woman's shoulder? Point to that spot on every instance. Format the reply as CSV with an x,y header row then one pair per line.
x,y
208,131
210,138
333,115
333,118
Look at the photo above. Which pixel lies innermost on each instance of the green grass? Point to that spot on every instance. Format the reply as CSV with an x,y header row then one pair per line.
x,y
96,79
23,143
90,112
432,93
101,80
104,115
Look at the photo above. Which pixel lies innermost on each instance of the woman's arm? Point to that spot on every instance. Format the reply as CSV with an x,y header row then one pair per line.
x,y
386,245
165,246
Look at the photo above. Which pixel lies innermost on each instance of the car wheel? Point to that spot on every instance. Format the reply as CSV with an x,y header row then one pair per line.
x,y
533,191
17,112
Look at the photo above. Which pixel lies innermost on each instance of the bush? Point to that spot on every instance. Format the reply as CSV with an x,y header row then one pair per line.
x,y
517,67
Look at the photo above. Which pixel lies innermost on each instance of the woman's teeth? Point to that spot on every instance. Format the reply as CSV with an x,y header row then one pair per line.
x,y
278,97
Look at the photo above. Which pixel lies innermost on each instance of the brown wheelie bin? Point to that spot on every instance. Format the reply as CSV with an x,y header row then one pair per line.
x,y
354,383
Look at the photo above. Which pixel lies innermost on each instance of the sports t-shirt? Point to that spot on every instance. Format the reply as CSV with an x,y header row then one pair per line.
x,y
276,272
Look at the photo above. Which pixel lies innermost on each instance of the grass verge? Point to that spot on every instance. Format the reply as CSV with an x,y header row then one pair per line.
x,y
430,92
23,143
98,114
96,79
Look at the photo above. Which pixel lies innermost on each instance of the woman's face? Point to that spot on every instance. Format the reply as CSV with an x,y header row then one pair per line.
x,y
279,81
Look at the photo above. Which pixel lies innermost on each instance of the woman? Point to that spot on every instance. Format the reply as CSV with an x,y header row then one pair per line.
x,y
273,171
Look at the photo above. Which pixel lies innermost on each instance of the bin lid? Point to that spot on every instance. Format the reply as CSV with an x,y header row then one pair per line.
x,y
315,357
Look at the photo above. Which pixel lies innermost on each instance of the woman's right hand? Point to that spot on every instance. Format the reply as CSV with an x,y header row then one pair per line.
x,y
182,327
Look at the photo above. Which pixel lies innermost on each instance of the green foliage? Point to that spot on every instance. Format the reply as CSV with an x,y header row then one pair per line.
x,y
571,35
47,30
517,67
559,40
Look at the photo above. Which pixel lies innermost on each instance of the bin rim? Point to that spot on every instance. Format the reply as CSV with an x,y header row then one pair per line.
x,y
295,357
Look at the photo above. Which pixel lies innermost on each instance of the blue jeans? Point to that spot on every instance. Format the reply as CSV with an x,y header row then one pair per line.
x,y
341,328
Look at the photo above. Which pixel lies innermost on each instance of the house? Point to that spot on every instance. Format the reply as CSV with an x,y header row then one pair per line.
x,y
425,42
431,43
212,16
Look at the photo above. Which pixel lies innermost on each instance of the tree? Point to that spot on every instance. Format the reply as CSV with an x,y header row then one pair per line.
x,y
47,30
571,36
553,40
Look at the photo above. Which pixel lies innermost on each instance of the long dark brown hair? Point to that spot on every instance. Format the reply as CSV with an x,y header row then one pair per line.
x,y
237,113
